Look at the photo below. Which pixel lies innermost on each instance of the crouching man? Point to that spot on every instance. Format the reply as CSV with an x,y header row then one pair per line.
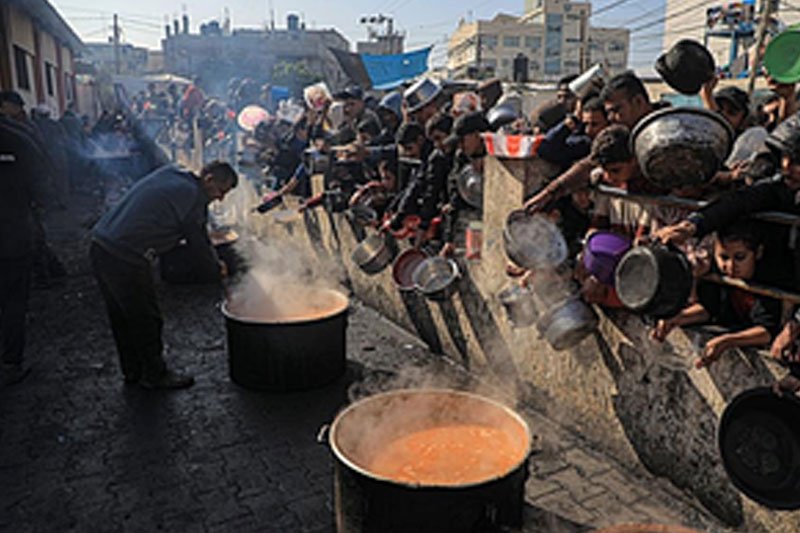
x,y
154,215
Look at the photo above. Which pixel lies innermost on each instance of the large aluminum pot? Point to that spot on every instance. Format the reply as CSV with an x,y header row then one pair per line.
x,y
293,351
681,146
374,253
533,241
367,501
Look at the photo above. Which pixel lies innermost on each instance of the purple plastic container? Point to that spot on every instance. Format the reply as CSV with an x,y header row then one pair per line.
x,y
602,252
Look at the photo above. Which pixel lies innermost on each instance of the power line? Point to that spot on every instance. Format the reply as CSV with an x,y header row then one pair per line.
x,y
609,7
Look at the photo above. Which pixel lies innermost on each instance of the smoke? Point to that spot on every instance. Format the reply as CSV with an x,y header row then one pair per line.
x,y
284,282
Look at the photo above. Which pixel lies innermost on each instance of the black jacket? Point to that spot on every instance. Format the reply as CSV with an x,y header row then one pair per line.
x,y
23,185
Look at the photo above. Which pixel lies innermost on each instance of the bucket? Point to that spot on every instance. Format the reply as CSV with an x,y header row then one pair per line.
x,y
782,57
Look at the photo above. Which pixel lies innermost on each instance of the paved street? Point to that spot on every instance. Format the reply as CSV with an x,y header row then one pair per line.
x,y
80,451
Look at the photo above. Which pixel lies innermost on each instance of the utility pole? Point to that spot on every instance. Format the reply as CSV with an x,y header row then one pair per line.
x,y
582,36
116,44
767,8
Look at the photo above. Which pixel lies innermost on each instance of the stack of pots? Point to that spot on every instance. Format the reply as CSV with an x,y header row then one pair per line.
x,y
536,243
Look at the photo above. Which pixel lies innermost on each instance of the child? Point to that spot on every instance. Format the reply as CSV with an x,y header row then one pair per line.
x,y
753,320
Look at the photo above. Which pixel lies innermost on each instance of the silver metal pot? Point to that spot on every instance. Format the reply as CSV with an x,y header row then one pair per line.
x,y
374,253
520,306
470,186
681,146
436,278
533,241
566,324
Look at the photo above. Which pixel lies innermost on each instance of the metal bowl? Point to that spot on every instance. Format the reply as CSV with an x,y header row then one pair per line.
x,y
435,277
681,146
533,241
470,187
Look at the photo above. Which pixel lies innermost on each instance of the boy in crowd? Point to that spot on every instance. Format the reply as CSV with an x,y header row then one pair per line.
x,y
753,320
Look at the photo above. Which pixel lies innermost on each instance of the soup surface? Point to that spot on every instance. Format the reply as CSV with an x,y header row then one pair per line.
x,y
448,455
287,304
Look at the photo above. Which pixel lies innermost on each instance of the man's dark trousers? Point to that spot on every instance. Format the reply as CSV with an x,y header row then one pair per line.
x,y
129,292
15,283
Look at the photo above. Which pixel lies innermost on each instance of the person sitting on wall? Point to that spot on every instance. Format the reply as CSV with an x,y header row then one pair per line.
x,y
754,320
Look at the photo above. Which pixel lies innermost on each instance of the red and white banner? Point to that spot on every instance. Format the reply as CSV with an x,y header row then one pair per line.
x,y
512,146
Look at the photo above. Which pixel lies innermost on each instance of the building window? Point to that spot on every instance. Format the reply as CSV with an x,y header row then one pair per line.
x,y
489,41
49,71
554,24
68,88
511,41
616,46
21,64
533,42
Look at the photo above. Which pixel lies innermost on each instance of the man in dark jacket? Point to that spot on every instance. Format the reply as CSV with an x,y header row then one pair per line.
x,y
23,187
161,209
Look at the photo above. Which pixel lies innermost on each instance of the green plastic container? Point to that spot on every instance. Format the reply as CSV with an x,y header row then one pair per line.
x,y
782,57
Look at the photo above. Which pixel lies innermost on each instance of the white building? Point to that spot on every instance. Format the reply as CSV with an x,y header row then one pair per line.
x,y
553,37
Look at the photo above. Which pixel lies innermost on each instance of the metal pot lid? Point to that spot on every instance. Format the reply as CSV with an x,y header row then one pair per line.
x,y
536,241
470,186
680,146
759,443
637,278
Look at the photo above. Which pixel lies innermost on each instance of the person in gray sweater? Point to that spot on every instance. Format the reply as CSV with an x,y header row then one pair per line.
x,y
163,208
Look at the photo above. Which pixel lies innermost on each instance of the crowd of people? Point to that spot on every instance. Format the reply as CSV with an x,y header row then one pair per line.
x,y
404,157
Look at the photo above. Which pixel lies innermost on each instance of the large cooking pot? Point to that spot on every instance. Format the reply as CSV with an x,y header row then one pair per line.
x,y
520,306
759,441
681,146
299,348
404,266
654,280
374,253
374,493
567,323
436,278
533,241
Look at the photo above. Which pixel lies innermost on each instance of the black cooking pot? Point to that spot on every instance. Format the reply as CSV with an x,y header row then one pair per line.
x,y
366,502
654,280
289,354
759,441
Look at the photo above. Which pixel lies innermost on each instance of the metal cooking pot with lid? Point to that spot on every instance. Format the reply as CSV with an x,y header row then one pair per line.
x,y
374,253
759,441
681,146
654,280
533,241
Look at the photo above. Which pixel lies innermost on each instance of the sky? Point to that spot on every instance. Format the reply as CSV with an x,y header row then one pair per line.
x,y
425,22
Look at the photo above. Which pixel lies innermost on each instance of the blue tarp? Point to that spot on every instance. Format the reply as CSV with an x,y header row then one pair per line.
x,y
388,72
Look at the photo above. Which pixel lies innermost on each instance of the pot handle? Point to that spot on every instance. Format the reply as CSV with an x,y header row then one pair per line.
x,y
322,434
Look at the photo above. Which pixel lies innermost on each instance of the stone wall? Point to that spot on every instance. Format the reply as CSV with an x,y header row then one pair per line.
x,y
639,402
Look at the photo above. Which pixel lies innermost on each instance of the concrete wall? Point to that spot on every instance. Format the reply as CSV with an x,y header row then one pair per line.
x,y
624,394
